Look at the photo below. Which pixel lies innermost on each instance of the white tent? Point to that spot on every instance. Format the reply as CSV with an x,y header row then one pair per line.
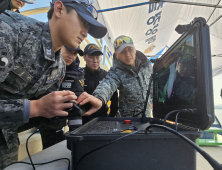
x,y
152,26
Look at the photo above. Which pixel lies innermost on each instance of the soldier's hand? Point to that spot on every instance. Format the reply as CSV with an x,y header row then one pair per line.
x,y
52,104
87,98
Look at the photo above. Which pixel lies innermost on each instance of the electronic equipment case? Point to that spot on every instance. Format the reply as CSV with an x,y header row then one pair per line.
x,y
157,150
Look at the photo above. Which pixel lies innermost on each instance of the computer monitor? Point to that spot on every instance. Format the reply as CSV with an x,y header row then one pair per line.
x,y
183,78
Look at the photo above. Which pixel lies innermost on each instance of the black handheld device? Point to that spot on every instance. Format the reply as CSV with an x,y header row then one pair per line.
x,y
75,111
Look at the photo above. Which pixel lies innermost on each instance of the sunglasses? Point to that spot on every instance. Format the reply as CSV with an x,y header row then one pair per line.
x,y
122,40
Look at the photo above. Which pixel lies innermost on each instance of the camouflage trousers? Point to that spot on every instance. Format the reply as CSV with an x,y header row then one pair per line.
x,y
8,156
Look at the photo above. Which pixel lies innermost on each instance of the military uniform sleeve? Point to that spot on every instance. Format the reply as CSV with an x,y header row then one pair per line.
x,y
11,110
114,104
107,87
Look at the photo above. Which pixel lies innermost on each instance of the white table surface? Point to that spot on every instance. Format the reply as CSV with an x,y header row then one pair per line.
x,y
54,152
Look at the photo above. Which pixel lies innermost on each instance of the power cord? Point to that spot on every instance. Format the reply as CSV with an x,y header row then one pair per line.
x,y
168,114
176,120
76,166
213,162
194,111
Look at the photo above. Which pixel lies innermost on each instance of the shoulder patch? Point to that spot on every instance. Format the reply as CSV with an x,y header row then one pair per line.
x,y
22,73
81,81
6,64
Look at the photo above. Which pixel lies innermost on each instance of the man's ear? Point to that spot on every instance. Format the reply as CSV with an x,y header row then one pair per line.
x,y
84,57
58,9
116,54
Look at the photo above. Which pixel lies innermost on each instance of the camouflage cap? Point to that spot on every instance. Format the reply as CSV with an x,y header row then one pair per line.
x,y
186,58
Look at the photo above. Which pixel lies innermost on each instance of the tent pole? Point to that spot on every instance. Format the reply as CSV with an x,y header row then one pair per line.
x,y
192,3
157,1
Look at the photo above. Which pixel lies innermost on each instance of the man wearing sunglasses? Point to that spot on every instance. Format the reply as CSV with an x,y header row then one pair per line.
x,y
130,74
32,67
93,76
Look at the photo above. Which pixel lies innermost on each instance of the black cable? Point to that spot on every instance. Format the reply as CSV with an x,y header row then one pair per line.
x,y
102,147
176,120
27,150
212,161
30,156
193,111
169,115
40,163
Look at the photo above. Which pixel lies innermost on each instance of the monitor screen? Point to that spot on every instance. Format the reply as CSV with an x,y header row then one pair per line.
x,y
176,79
183,79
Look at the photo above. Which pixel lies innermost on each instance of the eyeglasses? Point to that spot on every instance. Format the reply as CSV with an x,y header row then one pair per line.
x,y
122,40
92,58
90,8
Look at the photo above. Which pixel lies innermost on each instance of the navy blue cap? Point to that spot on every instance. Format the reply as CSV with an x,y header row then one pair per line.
x,y
92,48
96,29
80,52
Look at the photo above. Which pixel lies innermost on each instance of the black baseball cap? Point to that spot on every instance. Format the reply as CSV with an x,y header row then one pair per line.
x,y
79,51
91,49
85,10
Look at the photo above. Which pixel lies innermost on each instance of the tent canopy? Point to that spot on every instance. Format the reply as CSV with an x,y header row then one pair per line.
x,y
152,26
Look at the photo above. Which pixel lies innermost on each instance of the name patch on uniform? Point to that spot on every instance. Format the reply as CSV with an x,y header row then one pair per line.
x,y
70,81
6,64
66,85
53,76
22,73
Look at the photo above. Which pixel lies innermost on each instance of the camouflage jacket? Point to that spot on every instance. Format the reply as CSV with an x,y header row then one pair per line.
x,y
132,83
29,68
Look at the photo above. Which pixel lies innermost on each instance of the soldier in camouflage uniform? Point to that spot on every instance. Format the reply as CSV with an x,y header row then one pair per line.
x,y
31,66
185,87
130,74
184,91
16,5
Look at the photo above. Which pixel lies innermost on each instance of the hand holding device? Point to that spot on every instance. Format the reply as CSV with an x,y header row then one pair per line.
x,y
52,104
96,103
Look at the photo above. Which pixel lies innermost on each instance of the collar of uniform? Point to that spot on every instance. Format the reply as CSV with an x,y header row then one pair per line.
x,y
47,43
90,72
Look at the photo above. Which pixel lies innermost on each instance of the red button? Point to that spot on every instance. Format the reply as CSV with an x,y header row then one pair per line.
x,y
127,121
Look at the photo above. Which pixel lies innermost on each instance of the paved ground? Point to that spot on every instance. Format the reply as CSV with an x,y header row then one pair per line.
x,y
213,151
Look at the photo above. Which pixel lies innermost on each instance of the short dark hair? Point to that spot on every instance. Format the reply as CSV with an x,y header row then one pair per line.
x,y
51,10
